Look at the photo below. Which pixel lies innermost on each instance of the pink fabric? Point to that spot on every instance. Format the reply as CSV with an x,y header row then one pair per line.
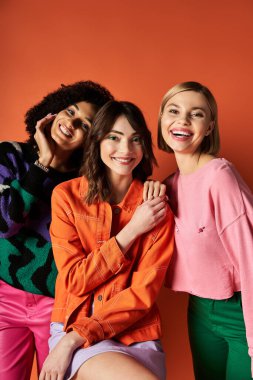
x,y
149,353
24,328
213,210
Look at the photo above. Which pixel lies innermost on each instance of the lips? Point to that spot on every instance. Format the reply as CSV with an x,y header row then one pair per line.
x,y
123,160
181,133
66,131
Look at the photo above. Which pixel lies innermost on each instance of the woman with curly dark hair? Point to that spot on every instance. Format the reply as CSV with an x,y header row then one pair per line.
x,y
112,253
57,128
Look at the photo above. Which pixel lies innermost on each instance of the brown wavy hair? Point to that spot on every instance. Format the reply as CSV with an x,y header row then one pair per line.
x,y
93,167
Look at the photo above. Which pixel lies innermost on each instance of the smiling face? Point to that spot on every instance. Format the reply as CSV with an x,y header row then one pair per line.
x,y
186,121
70,126
121,149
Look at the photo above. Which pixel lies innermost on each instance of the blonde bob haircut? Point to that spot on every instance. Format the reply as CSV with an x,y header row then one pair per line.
x,y
211,143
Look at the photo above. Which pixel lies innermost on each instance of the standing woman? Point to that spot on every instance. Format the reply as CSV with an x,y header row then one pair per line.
x,y
213,258
112,252
57,128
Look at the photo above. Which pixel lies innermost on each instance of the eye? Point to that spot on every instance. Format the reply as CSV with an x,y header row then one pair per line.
x,y
197,114
136,139
85,127
112,137
173,111
70,111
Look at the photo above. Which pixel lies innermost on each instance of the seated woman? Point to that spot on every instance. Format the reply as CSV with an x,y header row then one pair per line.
x,y
112,252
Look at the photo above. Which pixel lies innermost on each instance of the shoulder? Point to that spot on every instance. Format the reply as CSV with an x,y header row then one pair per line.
x,y
15,155
71,187
21,149
224,174
11,147
67,196
230,191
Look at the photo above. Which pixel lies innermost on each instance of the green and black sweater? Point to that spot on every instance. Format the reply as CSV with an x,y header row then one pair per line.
x,y
26,259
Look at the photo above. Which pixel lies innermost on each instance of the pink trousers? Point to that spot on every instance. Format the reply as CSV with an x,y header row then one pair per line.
x,y
24,329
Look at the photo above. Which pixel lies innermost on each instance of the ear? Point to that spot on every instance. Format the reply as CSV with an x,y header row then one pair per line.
x,y
210,128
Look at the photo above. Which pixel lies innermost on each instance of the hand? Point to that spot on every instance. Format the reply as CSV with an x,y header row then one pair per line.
x,y
58,360
153,189
149,214
44,140
145,217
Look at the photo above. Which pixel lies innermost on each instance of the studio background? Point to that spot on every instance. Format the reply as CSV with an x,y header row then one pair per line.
x,y
138,49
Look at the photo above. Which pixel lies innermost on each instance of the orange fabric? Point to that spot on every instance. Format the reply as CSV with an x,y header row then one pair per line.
x,y
94,271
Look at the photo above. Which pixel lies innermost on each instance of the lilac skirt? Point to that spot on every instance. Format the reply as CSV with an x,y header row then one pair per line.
x,y
150,354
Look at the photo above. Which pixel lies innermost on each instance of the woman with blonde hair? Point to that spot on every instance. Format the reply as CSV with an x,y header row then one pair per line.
x,y
213,212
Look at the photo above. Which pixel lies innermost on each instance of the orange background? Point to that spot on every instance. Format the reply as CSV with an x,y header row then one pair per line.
x,y
138,49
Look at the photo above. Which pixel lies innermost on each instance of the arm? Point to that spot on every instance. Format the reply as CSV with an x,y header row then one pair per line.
x,y
238,243
19,188
134,302
234,218
84,270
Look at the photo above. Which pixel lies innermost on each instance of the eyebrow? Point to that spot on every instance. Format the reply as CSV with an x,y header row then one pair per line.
x,y
193,108
121,133
86,118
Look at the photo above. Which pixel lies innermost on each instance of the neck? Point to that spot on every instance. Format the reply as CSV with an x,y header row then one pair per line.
x,y
61,161
189,163
119,188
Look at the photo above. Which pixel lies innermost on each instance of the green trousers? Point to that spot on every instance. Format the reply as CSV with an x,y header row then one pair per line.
x,y
218,339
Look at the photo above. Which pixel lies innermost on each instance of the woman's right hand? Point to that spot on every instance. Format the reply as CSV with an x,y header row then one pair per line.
x,y
149,214
146,216
153,189
58,360
43,138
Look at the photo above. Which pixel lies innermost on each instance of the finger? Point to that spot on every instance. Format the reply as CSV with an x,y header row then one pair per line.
x,y
42,375
157,185
151,190
48,376
155,201
160,206
161,214
53,375
162,191
45,121
145,191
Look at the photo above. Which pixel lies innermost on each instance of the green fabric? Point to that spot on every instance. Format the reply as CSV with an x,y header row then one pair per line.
x,y
218,339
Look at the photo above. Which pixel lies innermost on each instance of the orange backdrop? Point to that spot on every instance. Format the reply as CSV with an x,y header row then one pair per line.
x,y
138,49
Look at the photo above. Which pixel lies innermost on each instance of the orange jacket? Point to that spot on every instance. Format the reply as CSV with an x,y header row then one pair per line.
x,y
121,288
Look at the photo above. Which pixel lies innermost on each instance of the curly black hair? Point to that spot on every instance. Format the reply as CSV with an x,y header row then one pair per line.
x,y
63,97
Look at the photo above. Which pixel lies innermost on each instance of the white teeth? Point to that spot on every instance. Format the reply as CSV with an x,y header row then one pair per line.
x,y
65,131
181,134
123,160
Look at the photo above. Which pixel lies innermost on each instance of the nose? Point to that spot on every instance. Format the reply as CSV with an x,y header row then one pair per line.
x,y
125,146
76,123
184,119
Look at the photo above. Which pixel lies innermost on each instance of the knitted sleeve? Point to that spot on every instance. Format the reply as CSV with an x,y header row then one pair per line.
x,y
20,186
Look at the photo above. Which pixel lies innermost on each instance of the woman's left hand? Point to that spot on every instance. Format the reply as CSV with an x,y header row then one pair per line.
x,y
153,189
58,360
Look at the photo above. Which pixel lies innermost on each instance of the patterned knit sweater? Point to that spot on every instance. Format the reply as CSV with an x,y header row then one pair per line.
x,y
26,259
